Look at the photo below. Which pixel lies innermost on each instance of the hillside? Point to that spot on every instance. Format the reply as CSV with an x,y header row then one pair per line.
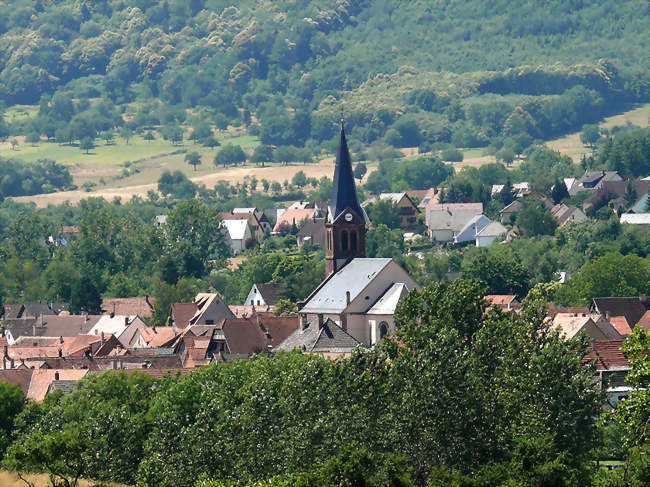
x,y
406,73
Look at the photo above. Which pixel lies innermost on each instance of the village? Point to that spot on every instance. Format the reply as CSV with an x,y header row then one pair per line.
x,y
45,348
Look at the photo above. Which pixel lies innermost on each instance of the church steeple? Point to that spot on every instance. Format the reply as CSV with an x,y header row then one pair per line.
x,y
346,224
344,193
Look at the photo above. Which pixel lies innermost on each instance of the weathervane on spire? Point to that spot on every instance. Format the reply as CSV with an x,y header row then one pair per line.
x,y
342,119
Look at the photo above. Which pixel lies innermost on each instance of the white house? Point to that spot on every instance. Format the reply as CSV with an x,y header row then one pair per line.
x,y
489,234
446,220
472,228
642,219
239,233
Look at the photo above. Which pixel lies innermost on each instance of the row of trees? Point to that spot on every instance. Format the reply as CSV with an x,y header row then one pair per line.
x,y
460,396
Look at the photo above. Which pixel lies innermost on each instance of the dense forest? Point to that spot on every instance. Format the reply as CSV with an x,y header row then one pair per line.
x,y
413,73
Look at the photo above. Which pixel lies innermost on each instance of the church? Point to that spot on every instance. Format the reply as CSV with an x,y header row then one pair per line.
x,y
357,300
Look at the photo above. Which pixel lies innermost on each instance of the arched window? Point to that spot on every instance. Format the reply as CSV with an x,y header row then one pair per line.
x,y
383,329
353,240
344,240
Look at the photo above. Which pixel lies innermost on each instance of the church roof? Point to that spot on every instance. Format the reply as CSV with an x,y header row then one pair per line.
x,y
353,277
344,193
387,303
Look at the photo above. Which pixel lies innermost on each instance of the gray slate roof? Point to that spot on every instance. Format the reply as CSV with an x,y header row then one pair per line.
x,y
354,277
330,338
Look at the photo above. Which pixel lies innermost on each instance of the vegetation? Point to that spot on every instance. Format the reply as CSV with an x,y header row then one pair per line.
x,y
459,393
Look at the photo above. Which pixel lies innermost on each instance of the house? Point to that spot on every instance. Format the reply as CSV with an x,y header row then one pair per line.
x,y
206,309
641,205
641,219
570,324
632,308
123,327
142,307
612,366
327,339
432,196
518,189
262,219
18,377
491,232
293,217
239,234
265,294
154,337
354,284
48,326
565,215
42,380
160,220
644,322
28,309
592,180
256,228
408,211
508,213
612,193
444,221
507,302
472,228
312,233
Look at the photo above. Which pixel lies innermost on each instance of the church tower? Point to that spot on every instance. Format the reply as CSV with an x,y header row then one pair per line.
x,y
346,224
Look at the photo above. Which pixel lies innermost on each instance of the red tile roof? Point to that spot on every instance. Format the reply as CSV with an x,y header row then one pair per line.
x,y
17,377
41,380
621,324
293,215
244,337
608,354
644,322
501,299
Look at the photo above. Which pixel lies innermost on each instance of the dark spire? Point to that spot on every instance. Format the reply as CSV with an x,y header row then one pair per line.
x,y
344,193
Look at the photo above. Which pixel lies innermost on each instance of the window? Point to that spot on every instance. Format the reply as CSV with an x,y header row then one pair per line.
x,y
383,329
209,322
344,240
353,240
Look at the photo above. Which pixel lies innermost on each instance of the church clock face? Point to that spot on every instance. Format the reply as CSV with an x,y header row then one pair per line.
x,y
348,217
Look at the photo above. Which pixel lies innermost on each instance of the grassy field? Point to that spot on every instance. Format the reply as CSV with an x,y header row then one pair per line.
x,y
571,145
8,479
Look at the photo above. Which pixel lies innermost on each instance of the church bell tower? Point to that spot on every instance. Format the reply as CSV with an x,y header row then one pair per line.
x,y
346,223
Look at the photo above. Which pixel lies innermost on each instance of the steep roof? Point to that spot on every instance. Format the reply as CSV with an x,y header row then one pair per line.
x,y
344,193
244,337
328,338
644,322
182,313
315,230
17,377
236,228
270,292
353,277
294,215
630,307
43,378
503,300
493,229
621,325
387,303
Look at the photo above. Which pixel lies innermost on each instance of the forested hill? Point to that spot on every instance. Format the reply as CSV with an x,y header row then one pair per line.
x,y
298,54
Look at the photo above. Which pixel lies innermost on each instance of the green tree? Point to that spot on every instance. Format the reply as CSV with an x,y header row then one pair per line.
x,y
263,153
590,135
299,179
559,191
502,274
285,307
384,242
535,219
360,171
87,144
11,404
384,212
193,159
229,154
506,155
126,134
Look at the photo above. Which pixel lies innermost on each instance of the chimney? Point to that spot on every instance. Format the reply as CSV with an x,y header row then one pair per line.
x,y
40,320
56,376
61,339
320,321
103,339
85,317
607,315
113,311
126,321
347,298
60,353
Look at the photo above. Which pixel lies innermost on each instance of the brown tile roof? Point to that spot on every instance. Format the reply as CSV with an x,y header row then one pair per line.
x,y
246,310
501,299
294,215
621,325
17,377
244,337
142,306
161,336
644,322
630,307
280,327
43,378
182,313
608,354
